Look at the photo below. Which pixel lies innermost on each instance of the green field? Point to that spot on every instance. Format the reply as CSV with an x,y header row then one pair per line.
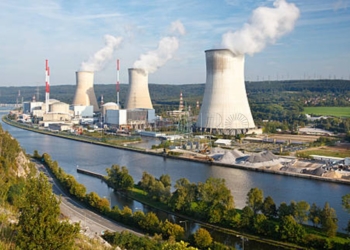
x,y
328,111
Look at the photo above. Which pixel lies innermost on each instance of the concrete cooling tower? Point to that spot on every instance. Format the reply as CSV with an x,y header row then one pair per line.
x,y
84,93
225,108
138,93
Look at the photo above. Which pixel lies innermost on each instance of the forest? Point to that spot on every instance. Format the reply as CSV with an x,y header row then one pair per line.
x,y
281,102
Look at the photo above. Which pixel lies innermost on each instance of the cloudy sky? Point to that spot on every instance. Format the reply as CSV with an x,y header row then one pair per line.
x,y
171,34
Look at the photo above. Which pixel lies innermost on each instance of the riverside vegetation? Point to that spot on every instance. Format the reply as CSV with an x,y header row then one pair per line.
x,y
22,195
210,202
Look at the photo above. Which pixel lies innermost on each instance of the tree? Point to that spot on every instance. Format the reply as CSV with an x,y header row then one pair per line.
x,y
269,207
247,217
255,199
329,221
301,211
150,223
172,230
346,202
290,230
119,179
346,206
166,180
315,215
38,225
202,238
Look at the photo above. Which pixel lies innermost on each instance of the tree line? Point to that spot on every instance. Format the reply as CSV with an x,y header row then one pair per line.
x,y
212,202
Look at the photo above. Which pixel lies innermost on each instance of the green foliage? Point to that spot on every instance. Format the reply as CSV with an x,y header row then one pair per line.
x,y
158,190
290,230
268,207
255,199
315,215
202,238
39,226
346,202
247,217
16,192
329,221
119,179
127,240
301,211
172,230
150,223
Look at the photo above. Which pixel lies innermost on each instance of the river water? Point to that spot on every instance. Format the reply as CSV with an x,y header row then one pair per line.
x,y
70,154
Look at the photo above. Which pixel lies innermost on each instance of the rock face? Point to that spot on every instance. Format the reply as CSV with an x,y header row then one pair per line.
x,y
22,163
13,161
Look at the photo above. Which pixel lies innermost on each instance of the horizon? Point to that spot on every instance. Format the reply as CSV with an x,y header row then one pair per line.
x,y
68,33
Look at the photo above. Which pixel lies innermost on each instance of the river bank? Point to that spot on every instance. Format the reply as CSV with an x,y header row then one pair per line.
x,y
160,153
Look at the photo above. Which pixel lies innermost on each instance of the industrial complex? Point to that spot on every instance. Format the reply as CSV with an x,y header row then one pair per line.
x,y
225,108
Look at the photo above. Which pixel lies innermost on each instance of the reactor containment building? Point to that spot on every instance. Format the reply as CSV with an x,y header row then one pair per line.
x,y
225,108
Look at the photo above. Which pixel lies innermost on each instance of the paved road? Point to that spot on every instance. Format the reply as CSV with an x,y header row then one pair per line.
x,y
91,223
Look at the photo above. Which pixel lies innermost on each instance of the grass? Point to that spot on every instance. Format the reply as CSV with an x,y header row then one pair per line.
x,y
328,151
328,111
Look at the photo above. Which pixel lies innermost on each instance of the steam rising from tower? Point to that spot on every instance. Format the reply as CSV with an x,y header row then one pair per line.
x,y
225,108
99,59
138,93
84,93
167,46
265,26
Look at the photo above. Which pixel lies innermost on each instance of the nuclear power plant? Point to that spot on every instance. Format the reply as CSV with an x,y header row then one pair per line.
x,y
84,93
138,93
225,108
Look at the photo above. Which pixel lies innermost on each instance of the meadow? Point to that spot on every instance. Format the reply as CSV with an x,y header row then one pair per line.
x,y
328,111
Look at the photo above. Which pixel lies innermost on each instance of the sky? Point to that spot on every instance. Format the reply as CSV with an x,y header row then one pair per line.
x,y
171,35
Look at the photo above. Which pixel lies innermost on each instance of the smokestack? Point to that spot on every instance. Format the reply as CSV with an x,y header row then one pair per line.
x,y
181,103
138,93
47,85
117,86
225,108
84,93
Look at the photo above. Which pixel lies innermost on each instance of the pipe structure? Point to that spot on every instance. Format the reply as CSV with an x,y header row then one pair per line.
x,y
84,92
225,108
138,94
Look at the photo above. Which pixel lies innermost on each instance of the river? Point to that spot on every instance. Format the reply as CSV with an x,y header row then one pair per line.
x,y
70,154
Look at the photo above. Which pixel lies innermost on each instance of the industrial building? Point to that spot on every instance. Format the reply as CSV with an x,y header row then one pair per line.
x,y
130,119
225,108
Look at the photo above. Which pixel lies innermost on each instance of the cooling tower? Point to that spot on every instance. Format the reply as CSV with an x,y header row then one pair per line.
x,y
84,93
138,93
225,108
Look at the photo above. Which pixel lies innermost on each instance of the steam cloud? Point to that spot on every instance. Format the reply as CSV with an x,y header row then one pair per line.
x,y
167,46
265,26
99,59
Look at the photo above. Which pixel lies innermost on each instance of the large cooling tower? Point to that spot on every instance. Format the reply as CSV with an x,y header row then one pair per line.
x,y
225,108
138,93
84,93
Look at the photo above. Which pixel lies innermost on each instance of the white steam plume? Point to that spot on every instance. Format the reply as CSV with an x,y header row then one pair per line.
x,y
99,59
265,26
167,46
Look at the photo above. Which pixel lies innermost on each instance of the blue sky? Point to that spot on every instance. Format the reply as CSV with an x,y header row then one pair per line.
x,y
68,33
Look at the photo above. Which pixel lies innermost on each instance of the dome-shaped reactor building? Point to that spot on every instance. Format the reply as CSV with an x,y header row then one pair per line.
x,y
138,94
225,108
